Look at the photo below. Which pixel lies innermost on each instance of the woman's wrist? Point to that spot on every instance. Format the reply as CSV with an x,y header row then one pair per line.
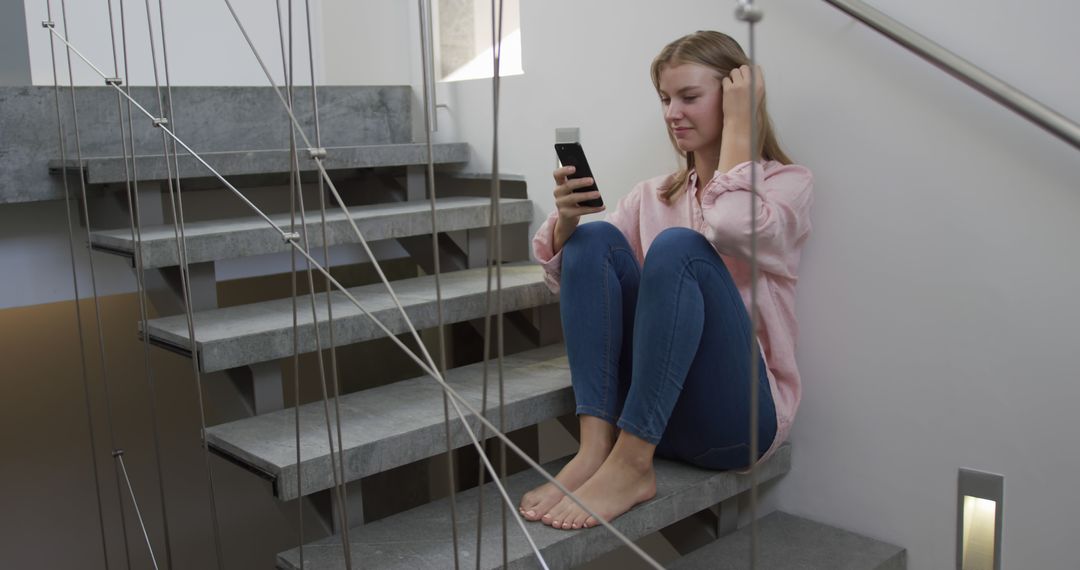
x,y
562,231
734,146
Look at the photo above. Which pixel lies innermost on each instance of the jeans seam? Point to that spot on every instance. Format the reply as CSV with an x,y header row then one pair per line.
x,y
606,372
666,367
733,292
597,412
645,434
612,251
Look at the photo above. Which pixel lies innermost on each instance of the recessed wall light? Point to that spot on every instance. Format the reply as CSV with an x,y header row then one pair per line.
x,y
979,509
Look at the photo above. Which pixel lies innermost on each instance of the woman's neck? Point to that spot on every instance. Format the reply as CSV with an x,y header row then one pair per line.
x,y
705,165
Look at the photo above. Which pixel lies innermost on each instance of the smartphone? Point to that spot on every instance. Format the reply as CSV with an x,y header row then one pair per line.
x,y
571,154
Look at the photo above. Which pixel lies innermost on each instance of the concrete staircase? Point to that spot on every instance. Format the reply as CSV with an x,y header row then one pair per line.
x,y
392,425
420,538
384,427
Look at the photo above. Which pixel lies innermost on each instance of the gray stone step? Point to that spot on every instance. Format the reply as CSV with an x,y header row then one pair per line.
x,y
260,332
788,542
241,237
210,119
420,538
392,425
110,169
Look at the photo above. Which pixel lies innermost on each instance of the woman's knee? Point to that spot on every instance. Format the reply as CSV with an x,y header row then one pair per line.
x,y
592,238
676,246
676,240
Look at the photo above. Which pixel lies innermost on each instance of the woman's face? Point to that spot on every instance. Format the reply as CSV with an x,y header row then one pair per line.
x,y
692,99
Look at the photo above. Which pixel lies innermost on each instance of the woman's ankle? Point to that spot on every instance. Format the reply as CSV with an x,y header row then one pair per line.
x,y
597,436
633,452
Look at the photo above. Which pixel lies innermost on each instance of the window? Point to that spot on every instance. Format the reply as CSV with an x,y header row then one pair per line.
x,y
463,36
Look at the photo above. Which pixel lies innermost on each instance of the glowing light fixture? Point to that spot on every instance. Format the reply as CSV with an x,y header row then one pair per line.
x,y
979,520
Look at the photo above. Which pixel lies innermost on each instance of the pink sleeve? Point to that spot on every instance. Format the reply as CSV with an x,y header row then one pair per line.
x,y
626,217
543,243
785,194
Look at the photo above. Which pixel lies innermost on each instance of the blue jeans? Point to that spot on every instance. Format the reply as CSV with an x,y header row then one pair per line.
x,y
663,351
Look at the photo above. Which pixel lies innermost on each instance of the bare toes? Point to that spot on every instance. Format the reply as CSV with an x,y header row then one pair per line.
x,y
558,515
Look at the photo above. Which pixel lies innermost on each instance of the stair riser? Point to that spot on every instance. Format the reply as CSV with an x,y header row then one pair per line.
x,y
257,238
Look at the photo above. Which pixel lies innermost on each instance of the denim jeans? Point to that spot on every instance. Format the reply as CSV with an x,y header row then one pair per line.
x,y
663,351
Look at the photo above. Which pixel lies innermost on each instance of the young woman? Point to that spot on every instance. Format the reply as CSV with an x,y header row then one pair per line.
x,y
654,300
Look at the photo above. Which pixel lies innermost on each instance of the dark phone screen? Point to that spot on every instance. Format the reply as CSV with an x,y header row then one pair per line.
x,y
571,154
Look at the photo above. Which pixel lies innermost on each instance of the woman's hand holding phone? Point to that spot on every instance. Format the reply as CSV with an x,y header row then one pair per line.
x,y
568,203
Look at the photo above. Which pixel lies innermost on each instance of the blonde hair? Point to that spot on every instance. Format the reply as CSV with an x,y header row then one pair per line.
x,y
721,53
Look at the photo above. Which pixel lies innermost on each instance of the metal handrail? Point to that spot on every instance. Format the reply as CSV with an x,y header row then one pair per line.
x,y
998,90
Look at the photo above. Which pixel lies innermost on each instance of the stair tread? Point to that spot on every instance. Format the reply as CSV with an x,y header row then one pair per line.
x,y
394,424
240,237
111,169
259,332
421,537
788,542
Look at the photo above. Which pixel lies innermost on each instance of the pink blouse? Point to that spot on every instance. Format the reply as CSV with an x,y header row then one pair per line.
x,y
785,195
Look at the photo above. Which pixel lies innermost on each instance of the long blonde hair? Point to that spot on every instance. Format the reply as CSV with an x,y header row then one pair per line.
x,y
721,53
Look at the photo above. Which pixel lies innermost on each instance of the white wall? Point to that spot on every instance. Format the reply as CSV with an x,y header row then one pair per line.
x,y
368,43
938,293
205,45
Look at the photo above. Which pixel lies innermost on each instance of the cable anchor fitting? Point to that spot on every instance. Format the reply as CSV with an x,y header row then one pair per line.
x,y
747,12
160,122
317,153
48,24
118,453
290,236
114,81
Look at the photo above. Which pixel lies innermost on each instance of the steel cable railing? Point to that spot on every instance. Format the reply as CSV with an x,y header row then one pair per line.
x,y
176,204
105,384
297,200
131,175
426,366
75,290
427,64
456,399
746,11
317,155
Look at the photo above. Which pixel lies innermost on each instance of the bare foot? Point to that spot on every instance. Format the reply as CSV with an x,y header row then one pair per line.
x,y
615,488
536,503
